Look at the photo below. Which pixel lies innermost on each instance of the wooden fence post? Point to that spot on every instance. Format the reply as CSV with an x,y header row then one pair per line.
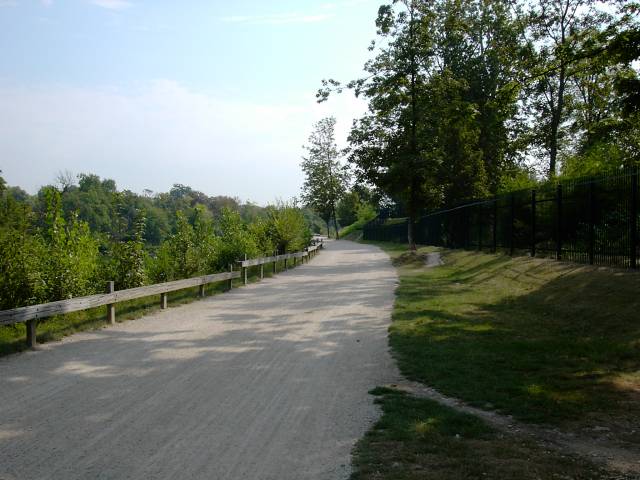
x,y
230,284
633,224
201,292
533,223
244,273
31,333
285,263
163,301
111,308
559,222
275,262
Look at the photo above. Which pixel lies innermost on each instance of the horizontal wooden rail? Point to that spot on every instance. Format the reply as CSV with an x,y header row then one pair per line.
x,y
254,262
31,314
44,310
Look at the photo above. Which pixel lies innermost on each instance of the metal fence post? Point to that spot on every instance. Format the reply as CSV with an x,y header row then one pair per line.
x,y
633,224
559,222
495,225
466,227
479,221
111,308
512,215
533,223
592,221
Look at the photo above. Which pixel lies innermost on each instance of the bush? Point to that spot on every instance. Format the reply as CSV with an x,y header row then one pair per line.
x,y
287,228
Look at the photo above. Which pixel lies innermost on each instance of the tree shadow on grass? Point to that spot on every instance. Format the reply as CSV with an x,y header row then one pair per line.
x,y
550,343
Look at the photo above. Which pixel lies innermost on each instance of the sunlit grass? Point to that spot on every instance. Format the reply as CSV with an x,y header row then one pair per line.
x,y
421,439
546,341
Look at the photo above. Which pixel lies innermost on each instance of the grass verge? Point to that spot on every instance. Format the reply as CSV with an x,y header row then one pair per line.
x,y
548,342
421,439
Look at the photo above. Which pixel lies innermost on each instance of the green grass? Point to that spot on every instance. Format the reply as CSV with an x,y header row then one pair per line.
x,y
548,342
350,232
421,439
12,337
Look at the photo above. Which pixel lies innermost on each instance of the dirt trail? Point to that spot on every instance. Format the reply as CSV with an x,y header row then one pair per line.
x,y
615,458
266,382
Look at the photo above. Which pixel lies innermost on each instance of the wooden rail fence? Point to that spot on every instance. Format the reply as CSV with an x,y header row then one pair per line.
x,y
31,314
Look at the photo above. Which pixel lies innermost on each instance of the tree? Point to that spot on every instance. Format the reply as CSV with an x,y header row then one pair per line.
x,y
347,209
287,228
71,259
388,145
557,29
325,178
130,258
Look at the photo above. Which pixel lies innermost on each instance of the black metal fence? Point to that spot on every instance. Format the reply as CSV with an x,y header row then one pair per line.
x,y
587,220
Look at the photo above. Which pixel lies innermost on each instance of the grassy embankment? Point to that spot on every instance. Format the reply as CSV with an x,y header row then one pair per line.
x,y
547,342
12,338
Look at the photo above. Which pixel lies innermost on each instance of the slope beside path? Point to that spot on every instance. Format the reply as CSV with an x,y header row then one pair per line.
x,y
265,382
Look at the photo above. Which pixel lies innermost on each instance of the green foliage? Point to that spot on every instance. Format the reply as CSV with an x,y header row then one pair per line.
x,y
347,209
325,178
365,214
287,228
236,240
130,258
192,250
69,265
599,158
51,253
21,281
465,97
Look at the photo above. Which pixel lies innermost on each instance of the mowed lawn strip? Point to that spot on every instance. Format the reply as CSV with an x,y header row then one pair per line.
x,y
548,342
421,439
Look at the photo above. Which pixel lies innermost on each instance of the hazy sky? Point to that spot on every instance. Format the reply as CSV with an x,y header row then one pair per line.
x,y
216,95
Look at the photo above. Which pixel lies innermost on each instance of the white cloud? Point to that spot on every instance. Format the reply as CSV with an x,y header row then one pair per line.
x,y
112,4
161,135
278,18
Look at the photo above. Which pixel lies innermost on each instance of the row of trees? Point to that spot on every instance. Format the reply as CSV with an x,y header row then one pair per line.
x,y
470,97
51,251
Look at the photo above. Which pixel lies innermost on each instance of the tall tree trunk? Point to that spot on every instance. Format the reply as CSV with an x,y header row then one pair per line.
x,y
411,233
335,223
328,232
556,119
556,116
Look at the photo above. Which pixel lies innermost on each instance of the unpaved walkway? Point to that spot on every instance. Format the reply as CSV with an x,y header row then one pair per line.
x,y
266,382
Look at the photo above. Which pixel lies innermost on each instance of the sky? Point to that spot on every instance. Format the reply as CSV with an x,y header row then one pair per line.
x,y
216,95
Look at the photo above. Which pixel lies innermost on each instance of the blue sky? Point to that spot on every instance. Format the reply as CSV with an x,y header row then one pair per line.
x,y
216,95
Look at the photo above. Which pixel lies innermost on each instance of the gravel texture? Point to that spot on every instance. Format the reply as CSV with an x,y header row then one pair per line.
x,y
268,381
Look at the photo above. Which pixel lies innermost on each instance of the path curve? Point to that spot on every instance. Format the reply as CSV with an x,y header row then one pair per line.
x,y
269,381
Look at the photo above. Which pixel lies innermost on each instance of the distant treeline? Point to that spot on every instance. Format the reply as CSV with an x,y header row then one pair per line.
x,y
69,239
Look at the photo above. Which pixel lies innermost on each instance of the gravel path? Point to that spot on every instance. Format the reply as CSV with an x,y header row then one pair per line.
x,y
266,382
